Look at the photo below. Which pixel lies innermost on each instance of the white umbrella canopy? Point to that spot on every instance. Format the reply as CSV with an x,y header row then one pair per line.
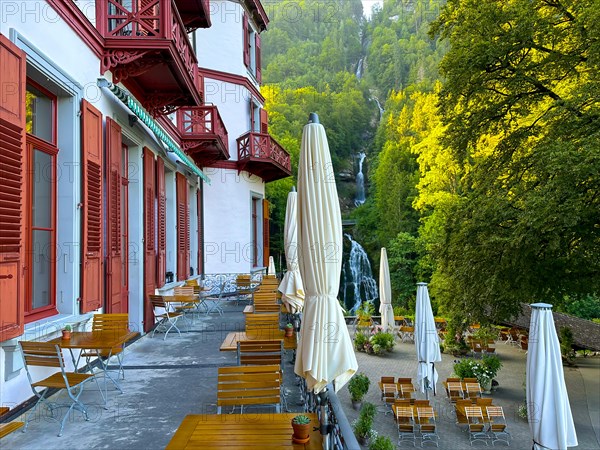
x,y
325,353
385,293
427,342
548,409
271,270
291,286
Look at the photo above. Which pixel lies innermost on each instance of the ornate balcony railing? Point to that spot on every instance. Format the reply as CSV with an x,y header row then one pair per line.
x,y
145,36
203,134
262,155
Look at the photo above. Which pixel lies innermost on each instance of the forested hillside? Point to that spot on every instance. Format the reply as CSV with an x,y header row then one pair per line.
x,y
483,170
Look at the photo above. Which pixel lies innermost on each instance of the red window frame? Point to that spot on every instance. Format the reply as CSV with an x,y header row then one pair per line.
x,y
33,143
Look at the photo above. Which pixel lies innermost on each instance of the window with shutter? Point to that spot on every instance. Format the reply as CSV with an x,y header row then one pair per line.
x,y
183,229
41,149
91,274
116,298
13,190
149,235
264,121
200,211
246,30
161,269
258,58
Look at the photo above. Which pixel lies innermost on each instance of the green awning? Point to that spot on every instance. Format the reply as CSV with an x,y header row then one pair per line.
x,y
147,120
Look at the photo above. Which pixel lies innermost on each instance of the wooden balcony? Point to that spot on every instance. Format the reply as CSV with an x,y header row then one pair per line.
x,y
194,13
260,154
203,134
147,47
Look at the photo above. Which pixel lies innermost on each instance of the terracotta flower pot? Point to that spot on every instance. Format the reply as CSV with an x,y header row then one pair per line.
x,y
289,332
301,432
66,334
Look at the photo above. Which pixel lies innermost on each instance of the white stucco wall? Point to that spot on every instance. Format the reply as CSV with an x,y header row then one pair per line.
x,y
227,220
55,49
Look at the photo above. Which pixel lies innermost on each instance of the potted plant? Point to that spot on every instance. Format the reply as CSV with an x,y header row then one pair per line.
x,y
382,443
66,332
301,426
289,330
358,387
363,426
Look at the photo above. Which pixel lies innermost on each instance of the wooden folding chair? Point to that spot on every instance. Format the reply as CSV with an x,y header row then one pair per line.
x,y
117,323
45,354
461,418
406,425
427,425
164,319
389,394
454,391
476,426
473,390
497,425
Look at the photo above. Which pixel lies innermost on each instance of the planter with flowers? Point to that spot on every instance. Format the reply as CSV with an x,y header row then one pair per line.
x,y
484,370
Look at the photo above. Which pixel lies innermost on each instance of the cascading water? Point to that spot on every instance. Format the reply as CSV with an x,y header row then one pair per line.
x,y
358,277
359,68
360,181
381,110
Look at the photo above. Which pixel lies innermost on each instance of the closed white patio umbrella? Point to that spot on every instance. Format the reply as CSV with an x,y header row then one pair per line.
x,y
291,288
427,342
385,293
271,270
325,353
548,409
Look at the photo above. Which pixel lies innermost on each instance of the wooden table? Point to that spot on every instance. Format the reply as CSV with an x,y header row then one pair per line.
x,y
231,340
461,410
415,411
241,431
98,341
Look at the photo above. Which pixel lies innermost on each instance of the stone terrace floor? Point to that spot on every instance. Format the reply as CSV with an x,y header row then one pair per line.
x,y
167,379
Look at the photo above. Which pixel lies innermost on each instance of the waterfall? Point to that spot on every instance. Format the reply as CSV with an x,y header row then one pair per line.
x,y
360,278
360,181
359,68
381,110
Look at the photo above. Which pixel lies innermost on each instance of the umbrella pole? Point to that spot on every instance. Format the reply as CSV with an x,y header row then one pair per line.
x,y
325,427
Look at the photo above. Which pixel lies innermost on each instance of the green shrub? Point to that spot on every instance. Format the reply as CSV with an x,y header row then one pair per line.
x,y
360,339
363,426
464,368
486,333
492,363
382,443
365,311
358,386
382,342
566,344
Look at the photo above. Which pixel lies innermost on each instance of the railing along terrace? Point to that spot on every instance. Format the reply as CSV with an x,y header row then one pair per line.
x,y
214,281
200,121
144,20
334,425
262,145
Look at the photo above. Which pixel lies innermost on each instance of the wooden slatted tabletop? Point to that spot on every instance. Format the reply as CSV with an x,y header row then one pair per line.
x,y
231,340
241,431
95,340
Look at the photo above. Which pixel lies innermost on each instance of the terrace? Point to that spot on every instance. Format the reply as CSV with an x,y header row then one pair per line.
x,y
165,380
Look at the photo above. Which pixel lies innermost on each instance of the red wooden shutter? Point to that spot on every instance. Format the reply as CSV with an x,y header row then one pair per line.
x,y
245,27
258,58
91,277
266,233
264,121
13,190
149,233
201,86
200,210
114,150
183,229
161,268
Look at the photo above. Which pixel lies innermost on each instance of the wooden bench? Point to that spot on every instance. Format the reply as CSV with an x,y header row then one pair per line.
x,y
261,323
249,385
7,428
263,352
